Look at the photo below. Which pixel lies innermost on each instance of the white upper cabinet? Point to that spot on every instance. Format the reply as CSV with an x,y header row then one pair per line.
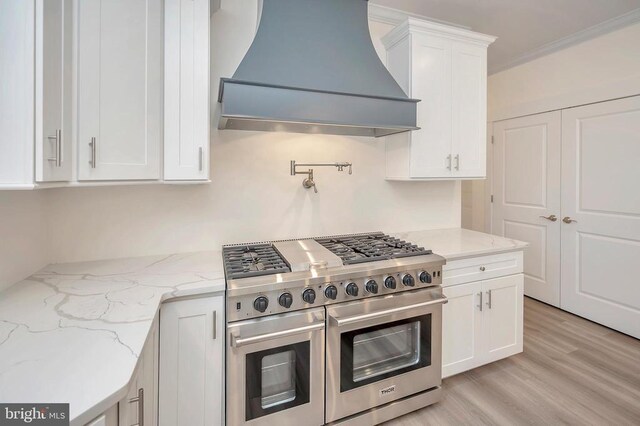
x,y
53,44
186,90
446,68
119,89
16,93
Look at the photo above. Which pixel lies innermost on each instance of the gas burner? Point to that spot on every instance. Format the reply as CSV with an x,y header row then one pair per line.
x,y
243,261
370,247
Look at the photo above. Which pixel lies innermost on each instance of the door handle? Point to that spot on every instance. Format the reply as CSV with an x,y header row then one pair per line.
x,y
480,305
365,317
57,148
237,341
457,157
140,400
567,219
448,162
92,144
489,299
552,217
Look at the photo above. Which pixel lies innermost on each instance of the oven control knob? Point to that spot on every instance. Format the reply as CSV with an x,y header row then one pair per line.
x,y
331,292
425,277
371,286
408,280
352,289
285,300
261,303
390,283
309,296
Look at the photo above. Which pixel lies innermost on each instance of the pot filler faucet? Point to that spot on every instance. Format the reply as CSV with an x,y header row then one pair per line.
x,y
308,182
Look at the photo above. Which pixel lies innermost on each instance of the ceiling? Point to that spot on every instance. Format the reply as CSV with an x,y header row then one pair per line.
x,y
525,28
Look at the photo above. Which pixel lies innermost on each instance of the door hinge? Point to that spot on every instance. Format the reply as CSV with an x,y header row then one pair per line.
x,y
492,198
491,139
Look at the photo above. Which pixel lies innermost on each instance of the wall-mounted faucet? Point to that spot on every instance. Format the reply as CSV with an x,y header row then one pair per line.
x,y
308,182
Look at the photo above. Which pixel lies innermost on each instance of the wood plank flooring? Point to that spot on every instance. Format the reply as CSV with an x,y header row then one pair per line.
x,y
571,372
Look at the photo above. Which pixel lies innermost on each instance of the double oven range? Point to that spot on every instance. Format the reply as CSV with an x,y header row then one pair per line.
x,y
335,330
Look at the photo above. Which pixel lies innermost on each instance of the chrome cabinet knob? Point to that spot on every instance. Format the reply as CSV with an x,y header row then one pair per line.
x,y
482,268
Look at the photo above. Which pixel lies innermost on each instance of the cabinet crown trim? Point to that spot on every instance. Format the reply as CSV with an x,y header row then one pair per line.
x,y
420,26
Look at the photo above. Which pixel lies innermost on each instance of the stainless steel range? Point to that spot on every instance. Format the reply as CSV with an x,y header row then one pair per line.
x,y
332,330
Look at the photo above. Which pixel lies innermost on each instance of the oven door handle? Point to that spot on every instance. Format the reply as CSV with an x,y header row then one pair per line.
x,y
237,341
364,317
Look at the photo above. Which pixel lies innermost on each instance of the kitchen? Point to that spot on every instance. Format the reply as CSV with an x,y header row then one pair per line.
x,y
178,202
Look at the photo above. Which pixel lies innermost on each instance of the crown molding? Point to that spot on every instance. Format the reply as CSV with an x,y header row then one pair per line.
x,y
390,16
597,30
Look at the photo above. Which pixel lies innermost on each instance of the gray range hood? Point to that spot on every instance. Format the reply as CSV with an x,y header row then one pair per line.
x,y
312,68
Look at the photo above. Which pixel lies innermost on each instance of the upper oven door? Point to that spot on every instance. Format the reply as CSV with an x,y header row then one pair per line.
x,y
275,371
382,349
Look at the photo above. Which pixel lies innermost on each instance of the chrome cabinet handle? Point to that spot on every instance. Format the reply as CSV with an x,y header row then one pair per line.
x,y
57,148
92,144
140,400
568,219
480,305
449,162
489,299
214,325
200,158
552,217
365,317
237,341
457,161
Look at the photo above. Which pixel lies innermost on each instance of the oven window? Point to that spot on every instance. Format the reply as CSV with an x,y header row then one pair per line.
x,y
277,379
376,353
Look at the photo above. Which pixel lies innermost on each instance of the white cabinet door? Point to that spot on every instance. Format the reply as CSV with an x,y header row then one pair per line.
x,y
119,89
186,90
526,191
17,93
601,249
431,83
192,362
139,406
502,316
54,22
461,328
469,110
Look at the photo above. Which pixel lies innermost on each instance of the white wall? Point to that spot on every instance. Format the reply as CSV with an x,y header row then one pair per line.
x,y
23,235
602,68
252,196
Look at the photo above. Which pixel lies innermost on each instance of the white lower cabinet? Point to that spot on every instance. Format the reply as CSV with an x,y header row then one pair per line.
x,y
192,362
139,407
483,321
108,418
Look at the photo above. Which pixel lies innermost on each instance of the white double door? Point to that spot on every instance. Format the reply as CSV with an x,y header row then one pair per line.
x,y
581,165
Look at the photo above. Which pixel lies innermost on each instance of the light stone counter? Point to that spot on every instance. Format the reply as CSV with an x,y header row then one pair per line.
x,y
73,332
457,243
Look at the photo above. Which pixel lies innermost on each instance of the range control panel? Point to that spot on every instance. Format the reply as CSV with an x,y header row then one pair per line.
x,y
302,297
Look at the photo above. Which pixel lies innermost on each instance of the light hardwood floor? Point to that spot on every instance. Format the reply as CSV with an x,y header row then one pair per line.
x,y
572,371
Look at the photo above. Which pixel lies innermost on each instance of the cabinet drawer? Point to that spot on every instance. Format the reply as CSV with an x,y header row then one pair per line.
x,y
481,268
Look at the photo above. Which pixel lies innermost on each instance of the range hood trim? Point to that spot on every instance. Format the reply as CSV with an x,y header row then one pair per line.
x,y
267,107
225,80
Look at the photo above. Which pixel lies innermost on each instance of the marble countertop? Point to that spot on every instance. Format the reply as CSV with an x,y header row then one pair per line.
x,y
73,332
457,243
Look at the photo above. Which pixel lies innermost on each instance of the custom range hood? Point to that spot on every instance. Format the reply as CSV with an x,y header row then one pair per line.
x,y
312,68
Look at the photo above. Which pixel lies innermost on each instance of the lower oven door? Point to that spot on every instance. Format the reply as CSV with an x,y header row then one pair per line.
x,y
382,349
275,370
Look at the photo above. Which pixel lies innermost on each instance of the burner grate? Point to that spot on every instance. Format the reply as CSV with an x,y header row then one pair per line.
x,y
370,247
243,261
